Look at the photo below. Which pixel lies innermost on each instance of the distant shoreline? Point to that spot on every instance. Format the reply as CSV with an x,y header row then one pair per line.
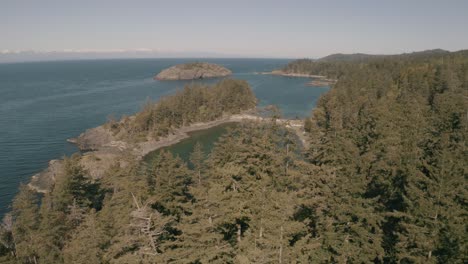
x,y
319,81
287,74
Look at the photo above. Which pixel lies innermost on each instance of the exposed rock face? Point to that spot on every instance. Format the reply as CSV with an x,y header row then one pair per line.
x,y
192,71
43,181
93,138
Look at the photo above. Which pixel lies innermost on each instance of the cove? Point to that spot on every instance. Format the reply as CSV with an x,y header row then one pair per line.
x,y
207,137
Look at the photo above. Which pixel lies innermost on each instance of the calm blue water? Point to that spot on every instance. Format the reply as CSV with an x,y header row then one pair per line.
x,y
44,103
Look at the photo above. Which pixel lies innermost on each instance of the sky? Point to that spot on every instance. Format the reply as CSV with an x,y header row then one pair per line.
x,y
235,28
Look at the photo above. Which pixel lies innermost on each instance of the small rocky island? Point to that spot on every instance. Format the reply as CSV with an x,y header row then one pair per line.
x,y
193,71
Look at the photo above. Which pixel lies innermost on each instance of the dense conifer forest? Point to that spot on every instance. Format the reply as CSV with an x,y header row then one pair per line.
x,y
382,181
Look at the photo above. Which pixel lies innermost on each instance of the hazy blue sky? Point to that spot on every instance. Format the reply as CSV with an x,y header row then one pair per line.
x,y
286,28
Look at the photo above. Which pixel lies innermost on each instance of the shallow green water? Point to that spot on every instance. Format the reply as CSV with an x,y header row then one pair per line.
x,y
206,137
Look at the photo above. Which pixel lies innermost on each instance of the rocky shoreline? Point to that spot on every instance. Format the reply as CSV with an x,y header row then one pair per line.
x,y
321,82
299,75
100,149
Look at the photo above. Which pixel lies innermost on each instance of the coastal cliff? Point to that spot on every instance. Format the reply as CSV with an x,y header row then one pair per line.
x,y
193,71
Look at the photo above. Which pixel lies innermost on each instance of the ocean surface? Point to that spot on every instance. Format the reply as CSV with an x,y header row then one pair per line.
x,y
44,103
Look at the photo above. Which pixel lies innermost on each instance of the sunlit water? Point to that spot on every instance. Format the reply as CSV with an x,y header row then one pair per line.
x,y
44,103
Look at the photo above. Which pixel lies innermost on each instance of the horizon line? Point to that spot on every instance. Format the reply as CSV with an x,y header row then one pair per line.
x,y
11,57
152,58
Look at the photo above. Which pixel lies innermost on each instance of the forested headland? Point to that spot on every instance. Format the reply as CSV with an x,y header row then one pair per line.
x,y
383,181
193,104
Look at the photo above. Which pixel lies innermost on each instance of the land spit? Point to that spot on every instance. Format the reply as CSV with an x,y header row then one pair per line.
x,y
318,80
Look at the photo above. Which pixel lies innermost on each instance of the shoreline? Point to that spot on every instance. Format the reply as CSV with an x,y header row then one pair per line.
x,y
285,74
319,81
100,150
104,153
183,133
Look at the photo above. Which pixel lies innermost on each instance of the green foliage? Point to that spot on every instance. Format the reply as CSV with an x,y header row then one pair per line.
x,y
74,188
196,159
394,128
26,223
87,242
195,103
384,179
7,245
170,178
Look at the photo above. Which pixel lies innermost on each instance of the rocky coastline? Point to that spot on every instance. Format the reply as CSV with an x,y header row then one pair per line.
x,y
321,82
101,149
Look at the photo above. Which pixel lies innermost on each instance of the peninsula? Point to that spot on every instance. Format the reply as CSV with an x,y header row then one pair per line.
x,y
193,71
159,124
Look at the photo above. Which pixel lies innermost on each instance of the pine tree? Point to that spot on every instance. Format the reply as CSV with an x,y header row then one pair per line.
x,y
196,158
172,178
53,229
7,246
71,187
87,242
26,224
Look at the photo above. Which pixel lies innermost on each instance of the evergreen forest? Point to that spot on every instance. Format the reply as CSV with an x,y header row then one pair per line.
x,y
382,178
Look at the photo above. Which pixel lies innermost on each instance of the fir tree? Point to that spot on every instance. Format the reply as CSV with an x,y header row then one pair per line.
x,y
196,158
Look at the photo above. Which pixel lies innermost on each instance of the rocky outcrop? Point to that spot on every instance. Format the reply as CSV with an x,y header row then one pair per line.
x,y
43,181
93,138
193,71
